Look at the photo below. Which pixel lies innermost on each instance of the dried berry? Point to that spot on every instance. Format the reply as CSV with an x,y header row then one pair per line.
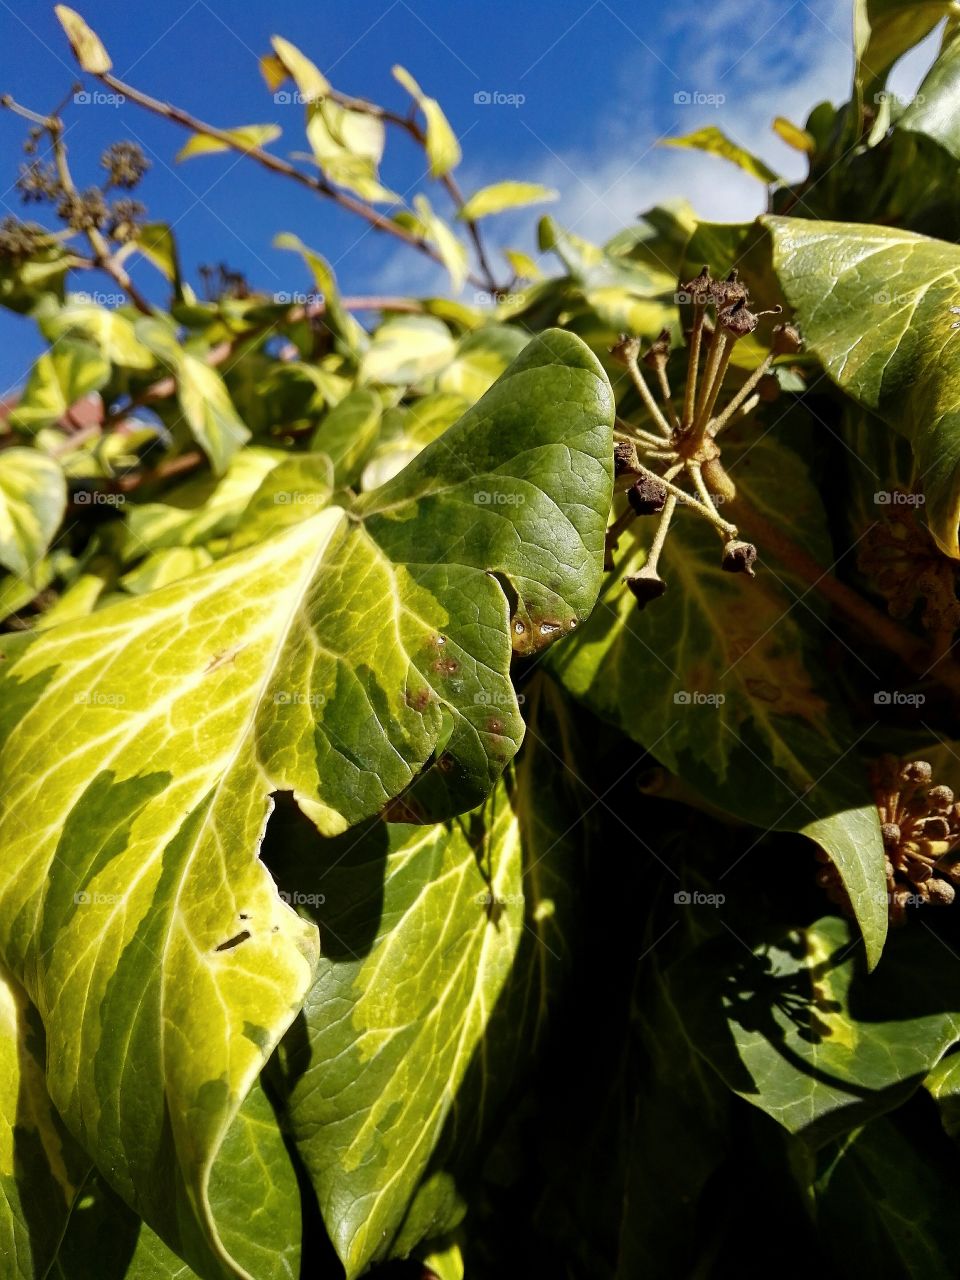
x,y
646,587
84,211
941,798
126,217
125,164
739,557
627,350
786,340
37,182
648,496
20,240
916,772
625,460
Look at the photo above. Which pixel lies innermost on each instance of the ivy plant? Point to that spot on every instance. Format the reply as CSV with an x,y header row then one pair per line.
x,y
478,776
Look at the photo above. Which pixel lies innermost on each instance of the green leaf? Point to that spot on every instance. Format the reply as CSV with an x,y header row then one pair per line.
x,y
112,331
163,567
716,143
480,358
330,661
445,945
722,678
407,349
794,136
295,490
348,432
200,510
41,1168
522,265
798,1030
156,242
453,253
348,145
33,499
86,46
243,137
883,30
885,1208
504,195
365,1113
64,374
309,79
443,149
203,398
844,281
338,319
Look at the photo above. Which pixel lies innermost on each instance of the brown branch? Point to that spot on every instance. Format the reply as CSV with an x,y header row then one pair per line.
x,y
872,622
319,185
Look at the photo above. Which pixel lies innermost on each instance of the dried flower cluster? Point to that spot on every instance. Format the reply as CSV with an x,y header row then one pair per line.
x,y
920,824
683,443
904,563
42,182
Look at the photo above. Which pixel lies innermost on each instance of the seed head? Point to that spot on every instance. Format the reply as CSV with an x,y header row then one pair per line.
x,y
739,557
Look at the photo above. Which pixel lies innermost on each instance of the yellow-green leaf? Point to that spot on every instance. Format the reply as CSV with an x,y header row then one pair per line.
x,y
504,195
244,137
311,83
443,148
793,135
86,45
716,143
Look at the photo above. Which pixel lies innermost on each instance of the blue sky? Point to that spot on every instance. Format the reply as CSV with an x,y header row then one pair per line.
x,y
599,81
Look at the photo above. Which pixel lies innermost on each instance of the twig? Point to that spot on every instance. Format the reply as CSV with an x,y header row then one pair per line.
x,y
379,221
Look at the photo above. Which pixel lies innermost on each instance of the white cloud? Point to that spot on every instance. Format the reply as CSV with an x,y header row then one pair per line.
x,y
773,61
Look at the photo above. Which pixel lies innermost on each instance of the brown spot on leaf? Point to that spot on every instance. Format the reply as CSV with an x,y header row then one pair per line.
x,y
446,666
494,725
763,689
235,941
418,700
